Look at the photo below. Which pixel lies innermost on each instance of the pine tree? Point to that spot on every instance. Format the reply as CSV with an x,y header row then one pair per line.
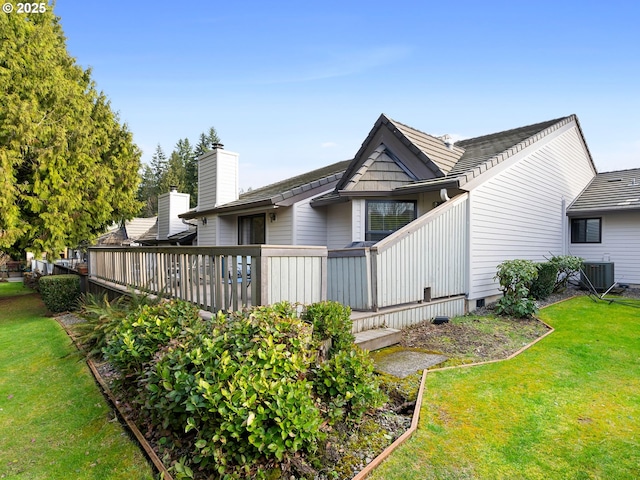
x,y
68,166
159,165
190,162
147,193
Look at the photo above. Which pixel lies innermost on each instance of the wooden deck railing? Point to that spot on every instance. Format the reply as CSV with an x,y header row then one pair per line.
x,y
216,278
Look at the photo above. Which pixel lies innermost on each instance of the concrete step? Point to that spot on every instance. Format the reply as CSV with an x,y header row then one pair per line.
x,y
377,338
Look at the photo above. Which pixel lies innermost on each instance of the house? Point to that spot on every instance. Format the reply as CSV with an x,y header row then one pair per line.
x,y
605,223
164,229
128,232
415,224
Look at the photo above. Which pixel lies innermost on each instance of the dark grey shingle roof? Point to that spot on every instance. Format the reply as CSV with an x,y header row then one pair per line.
x,y
281,191
480,149
433,147
609,191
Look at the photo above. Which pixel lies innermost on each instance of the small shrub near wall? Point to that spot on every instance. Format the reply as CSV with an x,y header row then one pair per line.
x,y
516,277
543,285
60,293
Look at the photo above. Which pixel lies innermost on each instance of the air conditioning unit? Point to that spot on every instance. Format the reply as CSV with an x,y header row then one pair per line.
x,y
598,274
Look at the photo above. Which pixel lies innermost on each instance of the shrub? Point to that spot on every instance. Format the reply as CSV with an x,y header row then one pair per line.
x,y
240,388
543,285
143,332
348,384
331,320
59,292
567,266
102,315
515,277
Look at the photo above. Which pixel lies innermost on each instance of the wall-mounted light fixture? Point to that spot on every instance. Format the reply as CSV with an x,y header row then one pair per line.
x,y
272,217
204,220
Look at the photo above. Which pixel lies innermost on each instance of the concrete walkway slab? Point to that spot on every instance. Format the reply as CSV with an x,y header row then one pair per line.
x,y
405,362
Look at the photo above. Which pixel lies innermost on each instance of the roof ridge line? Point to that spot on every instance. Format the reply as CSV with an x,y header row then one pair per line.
x,y
509,152
502,132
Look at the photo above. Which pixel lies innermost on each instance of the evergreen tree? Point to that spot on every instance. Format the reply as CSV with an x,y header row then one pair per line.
x,y
202,146
175,175
147,193
159,166
190,162
68,166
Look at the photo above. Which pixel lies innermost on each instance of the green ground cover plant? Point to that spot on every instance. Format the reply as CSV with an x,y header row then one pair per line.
x,y
54,422
569,407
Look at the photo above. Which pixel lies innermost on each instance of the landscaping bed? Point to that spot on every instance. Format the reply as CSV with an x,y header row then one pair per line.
x,y
344,447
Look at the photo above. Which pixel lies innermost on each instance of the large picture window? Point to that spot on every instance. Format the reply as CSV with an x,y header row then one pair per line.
x,y
251,230
586,230
386,216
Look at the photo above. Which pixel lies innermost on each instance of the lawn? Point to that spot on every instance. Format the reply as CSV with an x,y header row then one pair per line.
x,y
54,422
569,407
11,289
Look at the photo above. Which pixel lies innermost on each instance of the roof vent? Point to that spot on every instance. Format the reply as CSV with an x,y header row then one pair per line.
x,y
634,183
448,141
614,180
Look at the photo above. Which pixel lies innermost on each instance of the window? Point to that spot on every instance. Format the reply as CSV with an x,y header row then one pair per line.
x,y
251,230
586,230
386,216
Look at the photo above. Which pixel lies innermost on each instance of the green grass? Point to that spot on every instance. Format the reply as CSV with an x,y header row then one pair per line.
x,y
567,408
11,289
54,421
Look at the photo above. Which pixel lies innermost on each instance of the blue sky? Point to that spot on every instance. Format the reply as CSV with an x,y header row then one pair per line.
x,y
295,85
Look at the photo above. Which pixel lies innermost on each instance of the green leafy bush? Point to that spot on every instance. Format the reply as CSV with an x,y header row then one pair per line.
x,y
60,293
543,285
567,266
240,392
331,320
240,388
143,332
515,277
348,384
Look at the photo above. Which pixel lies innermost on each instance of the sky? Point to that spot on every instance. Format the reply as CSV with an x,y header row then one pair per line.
x,y
297,85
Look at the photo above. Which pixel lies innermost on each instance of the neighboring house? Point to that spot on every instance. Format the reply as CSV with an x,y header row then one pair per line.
x,y
165,229
128,232
605,223
169,229
427,220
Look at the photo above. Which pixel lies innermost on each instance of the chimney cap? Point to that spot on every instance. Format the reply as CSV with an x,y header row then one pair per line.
x,y
217,146
173,188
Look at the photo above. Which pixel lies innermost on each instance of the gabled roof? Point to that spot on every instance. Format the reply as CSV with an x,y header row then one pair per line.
x,y
436,165
607,192
282,193
435,157
485,152
454,165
